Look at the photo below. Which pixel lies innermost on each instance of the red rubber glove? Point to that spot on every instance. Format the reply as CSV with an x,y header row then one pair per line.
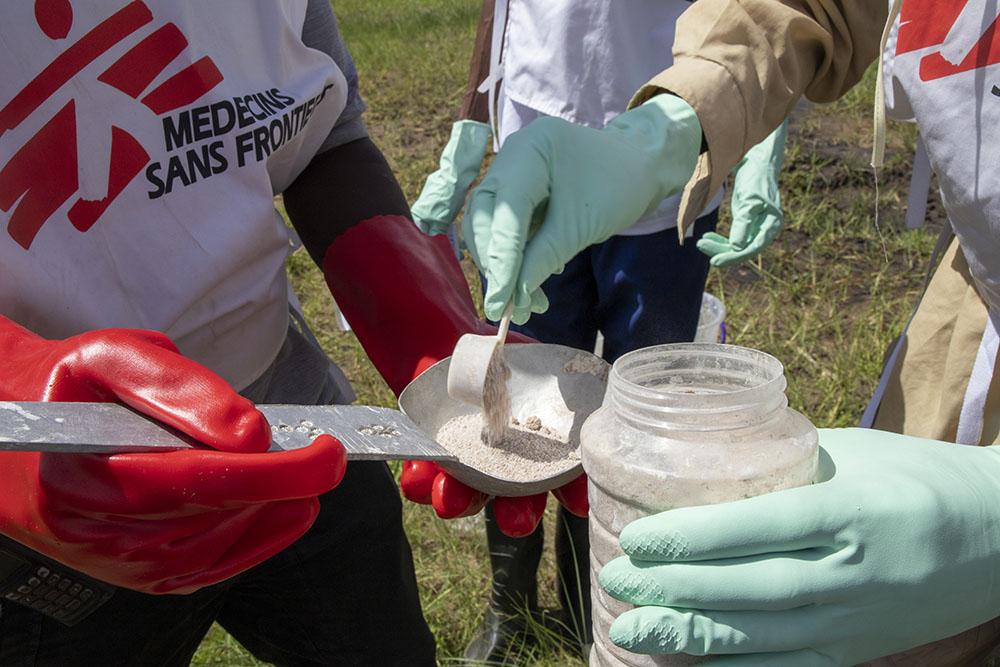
x,y
158,523
424,482
407,300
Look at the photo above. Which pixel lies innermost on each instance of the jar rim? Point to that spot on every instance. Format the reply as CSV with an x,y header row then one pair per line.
x,y
768,368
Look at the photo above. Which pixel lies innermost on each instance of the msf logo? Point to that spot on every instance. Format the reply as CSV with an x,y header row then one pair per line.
x,y
964,32
43,174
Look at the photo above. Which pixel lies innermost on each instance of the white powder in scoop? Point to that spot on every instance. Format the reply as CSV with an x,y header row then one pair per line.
x,y
527,452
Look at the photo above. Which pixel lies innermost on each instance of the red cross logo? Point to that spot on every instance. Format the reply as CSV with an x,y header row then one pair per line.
x,y
43,174
926,23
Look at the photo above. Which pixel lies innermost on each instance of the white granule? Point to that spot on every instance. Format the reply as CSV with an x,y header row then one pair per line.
x,y
524,454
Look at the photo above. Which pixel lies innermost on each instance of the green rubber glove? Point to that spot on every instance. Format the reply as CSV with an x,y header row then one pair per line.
x,y
444,191
556,188
756,204
898,546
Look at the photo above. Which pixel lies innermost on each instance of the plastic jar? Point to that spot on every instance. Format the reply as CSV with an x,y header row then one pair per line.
x,y
681,425
711,321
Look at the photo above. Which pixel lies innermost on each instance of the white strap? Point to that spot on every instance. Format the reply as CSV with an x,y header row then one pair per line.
x,y
878,145
490,84
920,187
970,420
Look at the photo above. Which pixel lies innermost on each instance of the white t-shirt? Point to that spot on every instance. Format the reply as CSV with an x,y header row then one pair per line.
x,y
942,70
582,60
141,146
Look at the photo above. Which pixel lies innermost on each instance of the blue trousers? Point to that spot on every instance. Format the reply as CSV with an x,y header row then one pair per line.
x,y
636,290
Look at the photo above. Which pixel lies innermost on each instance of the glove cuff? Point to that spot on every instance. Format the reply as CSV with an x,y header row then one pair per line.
x,y
667,129
472,133
403,293
679,131
444,191
770,152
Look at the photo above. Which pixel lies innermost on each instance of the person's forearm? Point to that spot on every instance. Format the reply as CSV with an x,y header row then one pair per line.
x,y
403,292
339,189
743,65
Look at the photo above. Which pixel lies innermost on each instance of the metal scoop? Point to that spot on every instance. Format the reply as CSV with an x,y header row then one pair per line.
x,y
558,384
367,433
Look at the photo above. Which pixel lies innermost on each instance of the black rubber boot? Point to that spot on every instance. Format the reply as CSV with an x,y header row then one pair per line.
x,y
514,564
573,580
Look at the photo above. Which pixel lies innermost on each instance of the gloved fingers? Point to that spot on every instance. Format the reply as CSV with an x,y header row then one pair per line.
x,y
772,582
539,302
667,630
452,499
556,241
524,306
444,190
144,371
133,538
742,229
518,517
502,264
772,220
722,260
713,244
757,220
140,554
438,204
756,176
187,481
782,521
179,554
431,226
477,222
416,480
518,199
767,231
714,238
178,546
276,526
573,496
756,209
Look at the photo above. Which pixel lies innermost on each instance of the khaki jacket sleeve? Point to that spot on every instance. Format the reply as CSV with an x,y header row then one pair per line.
x,y
743,64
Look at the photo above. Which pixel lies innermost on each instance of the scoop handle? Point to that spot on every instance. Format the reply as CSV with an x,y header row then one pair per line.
x,y
505,322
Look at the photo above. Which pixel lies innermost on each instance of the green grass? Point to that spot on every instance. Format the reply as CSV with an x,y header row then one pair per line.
x,y
826,299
